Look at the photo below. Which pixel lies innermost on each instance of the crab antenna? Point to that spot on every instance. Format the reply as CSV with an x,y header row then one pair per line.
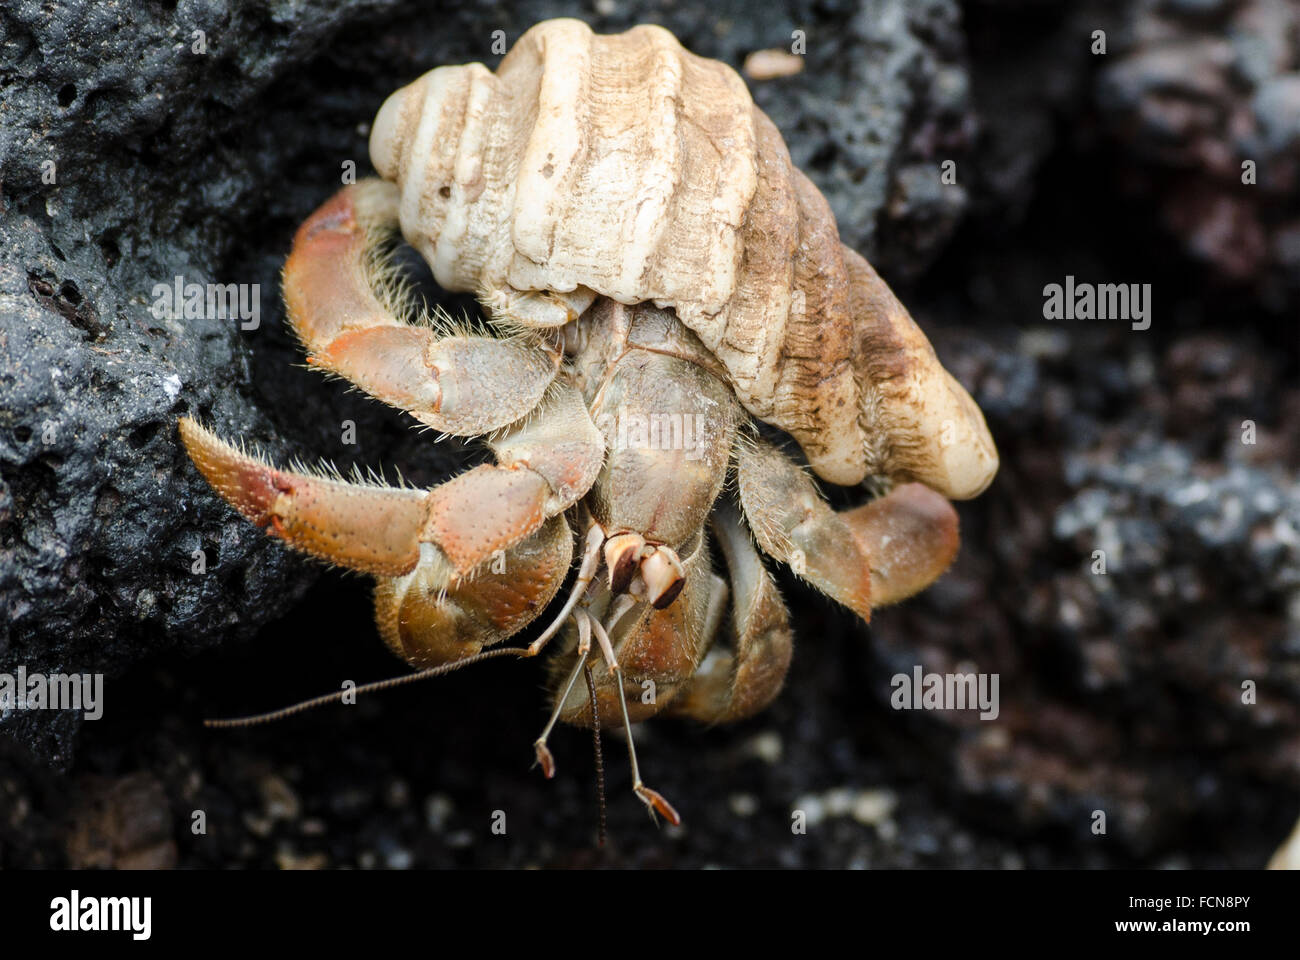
x,y
377,685
600,760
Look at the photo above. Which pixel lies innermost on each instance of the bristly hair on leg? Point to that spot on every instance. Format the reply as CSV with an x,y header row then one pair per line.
x,y
395,289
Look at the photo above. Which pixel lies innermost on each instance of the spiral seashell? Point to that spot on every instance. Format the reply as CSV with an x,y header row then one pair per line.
x,y
627,167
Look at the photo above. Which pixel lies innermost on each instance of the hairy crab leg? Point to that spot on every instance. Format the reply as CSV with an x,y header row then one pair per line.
x,y
348,310
366,527
429,607
737,683
872,555
546,464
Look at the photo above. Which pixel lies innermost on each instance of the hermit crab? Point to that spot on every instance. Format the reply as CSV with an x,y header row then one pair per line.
x,y
663,293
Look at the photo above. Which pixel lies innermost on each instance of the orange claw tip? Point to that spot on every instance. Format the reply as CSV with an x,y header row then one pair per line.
x,y
336,213
545,759
247,484
659,804
326,288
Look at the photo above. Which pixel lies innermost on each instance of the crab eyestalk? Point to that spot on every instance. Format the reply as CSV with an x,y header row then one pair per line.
x,y
663,575
622,557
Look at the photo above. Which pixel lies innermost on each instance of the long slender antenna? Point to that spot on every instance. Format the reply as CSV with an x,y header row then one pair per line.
x,y
600,761
377,685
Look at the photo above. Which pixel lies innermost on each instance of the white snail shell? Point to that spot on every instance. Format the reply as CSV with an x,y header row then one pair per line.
x,y
629,166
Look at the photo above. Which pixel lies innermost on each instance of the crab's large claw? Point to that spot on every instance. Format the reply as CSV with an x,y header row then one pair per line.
x,y
459,567
876,554
547,462
431,616
426,611
371,528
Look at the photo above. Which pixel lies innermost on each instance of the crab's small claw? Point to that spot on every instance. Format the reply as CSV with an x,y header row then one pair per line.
x,y
740,678
432,615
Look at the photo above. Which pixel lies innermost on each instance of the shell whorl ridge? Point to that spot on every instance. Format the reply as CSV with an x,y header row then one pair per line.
x,y
629,166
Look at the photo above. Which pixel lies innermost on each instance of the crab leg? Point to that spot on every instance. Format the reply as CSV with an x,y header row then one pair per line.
x,y
654,801
346,308
737,683
542,752
586,573
371,528
547,463
876,554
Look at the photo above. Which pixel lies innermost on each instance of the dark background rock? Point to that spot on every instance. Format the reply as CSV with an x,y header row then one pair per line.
x,y
1119,693
1194,90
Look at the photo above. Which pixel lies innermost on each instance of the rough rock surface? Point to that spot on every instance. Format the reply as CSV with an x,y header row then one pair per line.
x,y
1119,692
1196,90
